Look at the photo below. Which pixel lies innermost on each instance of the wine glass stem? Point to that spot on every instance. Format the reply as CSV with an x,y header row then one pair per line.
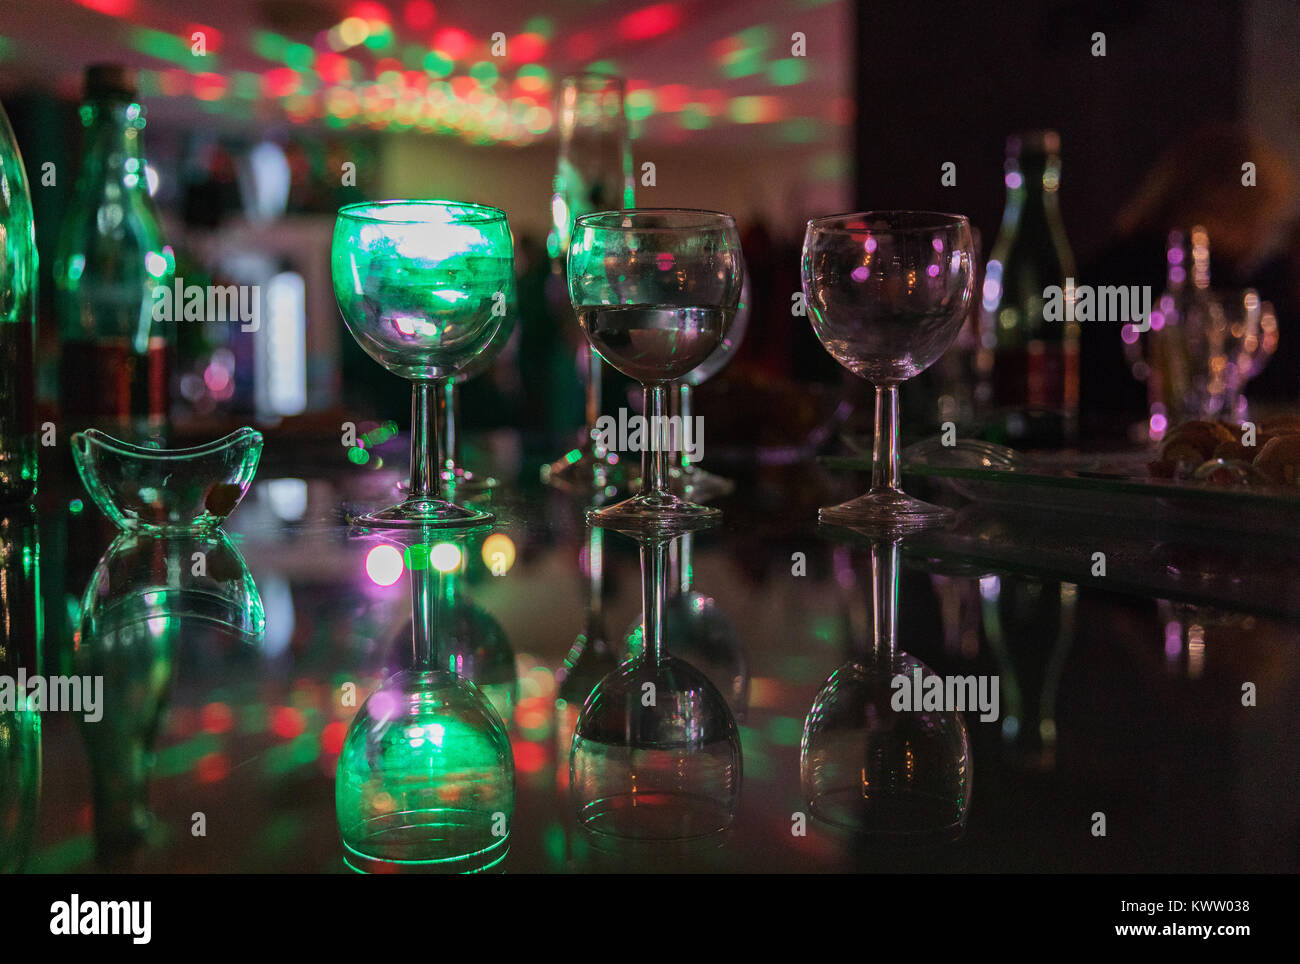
x,y
884,454
448,440
652,455
593,393
685,399
424,433
653,585
425,604
884,598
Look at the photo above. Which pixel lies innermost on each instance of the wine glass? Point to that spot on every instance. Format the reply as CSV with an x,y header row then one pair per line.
x,y
887,292
421,285
656,752
899,775
655,291
695,482
593,173
425,779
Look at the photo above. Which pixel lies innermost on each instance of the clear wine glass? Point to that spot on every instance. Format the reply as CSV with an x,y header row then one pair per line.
x,y
655,291
425,779
695,482
887,292
593,173
899,775
421,285
656,751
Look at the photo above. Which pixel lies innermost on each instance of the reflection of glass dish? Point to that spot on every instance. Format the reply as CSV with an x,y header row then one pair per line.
x,y
167,491
425,779
153,580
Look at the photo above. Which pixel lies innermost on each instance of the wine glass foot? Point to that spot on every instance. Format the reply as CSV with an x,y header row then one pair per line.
x,y
886,507
587,471
424,514
700,485
654,512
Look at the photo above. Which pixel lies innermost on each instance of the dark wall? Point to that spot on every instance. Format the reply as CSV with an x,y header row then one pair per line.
x,y
948,81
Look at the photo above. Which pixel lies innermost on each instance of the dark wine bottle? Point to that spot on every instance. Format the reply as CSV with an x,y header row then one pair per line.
x,y
1031,364
110,258
17,325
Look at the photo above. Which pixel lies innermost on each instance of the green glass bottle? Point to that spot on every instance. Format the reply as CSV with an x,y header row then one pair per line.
x,y
17,325
1029,366
110,258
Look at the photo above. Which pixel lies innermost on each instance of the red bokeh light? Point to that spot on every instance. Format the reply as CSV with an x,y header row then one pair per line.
x,y
331,738
216,718
211,86
419,14
672,97
280,82
212,38
212,767
648,22
527,47
370,12
287,722
453,42
113,8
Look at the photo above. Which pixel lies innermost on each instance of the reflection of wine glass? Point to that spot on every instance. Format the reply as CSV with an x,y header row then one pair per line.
x,y
698,631
887,292
695,482
425,779
423,287
897,774
593,173
656,752
474,645
655,291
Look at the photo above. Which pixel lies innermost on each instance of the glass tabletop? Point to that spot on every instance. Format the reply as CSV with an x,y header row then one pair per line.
x,y
1156,691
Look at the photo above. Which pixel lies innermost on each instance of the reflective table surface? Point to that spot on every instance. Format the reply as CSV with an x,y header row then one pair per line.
x,y
1145,717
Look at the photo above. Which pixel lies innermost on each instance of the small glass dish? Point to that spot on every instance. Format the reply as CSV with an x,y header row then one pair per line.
x,y
167,491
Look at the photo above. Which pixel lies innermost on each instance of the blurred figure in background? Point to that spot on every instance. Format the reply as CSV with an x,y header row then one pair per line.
x,y
1196,181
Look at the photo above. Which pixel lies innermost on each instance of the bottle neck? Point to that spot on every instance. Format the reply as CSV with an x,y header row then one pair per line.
x,y
1032,182
114,130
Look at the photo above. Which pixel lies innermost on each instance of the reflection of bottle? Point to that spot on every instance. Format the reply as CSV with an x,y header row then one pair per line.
x,y
1029,627
1033,363
17,325
20,727
110,259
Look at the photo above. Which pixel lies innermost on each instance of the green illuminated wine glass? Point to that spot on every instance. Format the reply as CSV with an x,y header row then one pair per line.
x,y
423,286
426,779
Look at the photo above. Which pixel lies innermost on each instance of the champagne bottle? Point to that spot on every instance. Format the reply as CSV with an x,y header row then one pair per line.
x,y
109,260
1031,366
17,325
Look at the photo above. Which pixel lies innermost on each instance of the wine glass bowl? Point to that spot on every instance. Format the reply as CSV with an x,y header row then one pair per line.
x,y
416,282
655,291
665,771
865,767
425,779
887,292
424,287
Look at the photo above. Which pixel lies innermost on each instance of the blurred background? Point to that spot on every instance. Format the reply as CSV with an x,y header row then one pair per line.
x,y
264,116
